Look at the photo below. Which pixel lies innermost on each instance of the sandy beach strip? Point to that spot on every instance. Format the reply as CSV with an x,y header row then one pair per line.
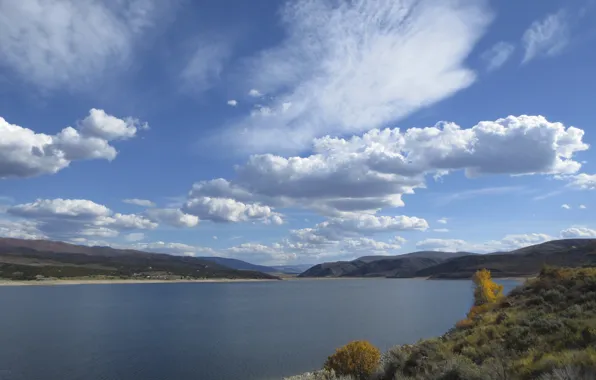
x,y
107,282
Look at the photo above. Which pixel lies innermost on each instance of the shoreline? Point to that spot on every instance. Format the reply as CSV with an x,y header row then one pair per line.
x,y
108,282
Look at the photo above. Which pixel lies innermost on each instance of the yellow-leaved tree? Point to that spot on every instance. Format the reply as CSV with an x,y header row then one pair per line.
x,y
486,293
359,359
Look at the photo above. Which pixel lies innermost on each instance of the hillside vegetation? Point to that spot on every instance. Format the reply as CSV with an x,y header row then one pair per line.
x,y
544,329
25,260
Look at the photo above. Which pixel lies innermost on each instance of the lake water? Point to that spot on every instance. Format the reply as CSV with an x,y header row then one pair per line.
x,y
213,331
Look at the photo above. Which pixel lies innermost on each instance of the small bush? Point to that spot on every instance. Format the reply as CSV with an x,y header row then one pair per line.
x,y
359,359
461,368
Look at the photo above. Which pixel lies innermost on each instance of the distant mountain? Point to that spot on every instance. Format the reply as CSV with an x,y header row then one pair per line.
x,y
239,264
25,259
382,266
521,262
243,265
291,269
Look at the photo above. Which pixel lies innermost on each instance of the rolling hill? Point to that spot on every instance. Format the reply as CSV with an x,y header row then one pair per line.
x,y
239,264
382,266
525,261
243,265
25,259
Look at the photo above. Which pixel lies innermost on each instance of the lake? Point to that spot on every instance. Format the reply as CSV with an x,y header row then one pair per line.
x,y
213,331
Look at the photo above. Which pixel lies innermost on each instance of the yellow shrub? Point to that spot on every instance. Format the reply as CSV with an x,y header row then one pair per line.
x,y
358,358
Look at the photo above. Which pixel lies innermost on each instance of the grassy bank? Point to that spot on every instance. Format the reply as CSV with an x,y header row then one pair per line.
x,y
544,329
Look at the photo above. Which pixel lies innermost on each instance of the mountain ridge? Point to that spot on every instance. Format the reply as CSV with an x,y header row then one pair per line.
x,y
27,259
524,261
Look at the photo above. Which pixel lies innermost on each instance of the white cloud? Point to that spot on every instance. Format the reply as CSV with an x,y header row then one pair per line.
x,y
127,221
370,172
70,43
135,236
578,232
442,221
508,243
350,66
448,245
68,218
214,237
98,232
228,210
565,206
497,55
232,102
254,93
399,240
20,230
48,208
206,64
546,37
441,230
24,153
336,229
172,248
583,207
139,202
582,181
173,217
106,127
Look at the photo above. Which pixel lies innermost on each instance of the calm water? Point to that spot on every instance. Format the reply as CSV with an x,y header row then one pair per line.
x,y
212,331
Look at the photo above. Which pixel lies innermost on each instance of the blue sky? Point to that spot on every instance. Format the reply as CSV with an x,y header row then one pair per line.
x,y
297,132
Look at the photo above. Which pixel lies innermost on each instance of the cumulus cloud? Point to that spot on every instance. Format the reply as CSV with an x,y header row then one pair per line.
x,y
67,218
547,37
497,55
139,202
583,207
107,127
340,228
232,102
565,206
227,205
578,232
370,172
354,65
173,217
442,221
70,43
25,153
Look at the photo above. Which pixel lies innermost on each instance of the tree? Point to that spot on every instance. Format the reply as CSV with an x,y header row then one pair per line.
x,y
358,358
486,291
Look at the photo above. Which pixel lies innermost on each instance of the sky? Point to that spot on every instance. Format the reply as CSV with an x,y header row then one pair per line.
x,y
298,132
